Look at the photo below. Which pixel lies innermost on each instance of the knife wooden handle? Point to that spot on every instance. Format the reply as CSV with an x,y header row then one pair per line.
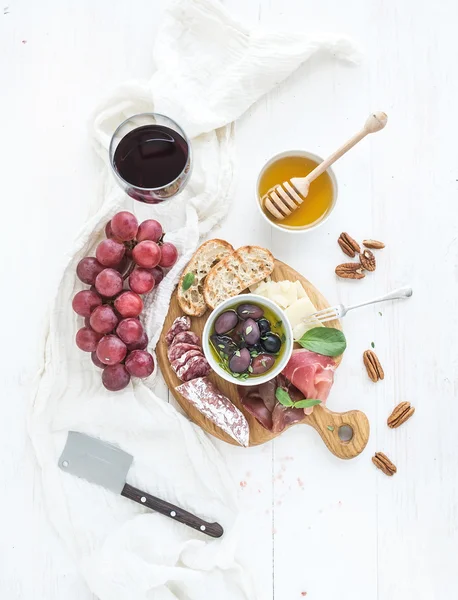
x,y
173,512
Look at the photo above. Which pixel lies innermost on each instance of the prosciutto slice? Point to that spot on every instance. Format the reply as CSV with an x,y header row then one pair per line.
x,y
311,373
261,402
307,375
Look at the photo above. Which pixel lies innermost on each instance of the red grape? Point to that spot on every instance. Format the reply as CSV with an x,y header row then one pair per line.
x,y
110,252
111,350
108,283
141,281
85,301
115,378
169,255
128,304
88,268
109,232
96,361
129,330
87,339
124,225
124,265
158,274
103,319
149,230
140,363
140,345
147,254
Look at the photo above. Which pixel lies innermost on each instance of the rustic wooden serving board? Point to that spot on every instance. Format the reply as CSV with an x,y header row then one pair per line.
x,y
326,422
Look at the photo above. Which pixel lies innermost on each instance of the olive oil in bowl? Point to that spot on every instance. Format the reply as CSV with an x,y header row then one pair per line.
x,y
321,197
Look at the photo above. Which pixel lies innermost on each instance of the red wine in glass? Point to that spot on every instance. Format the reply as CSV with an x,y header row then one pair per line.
x,y
151,161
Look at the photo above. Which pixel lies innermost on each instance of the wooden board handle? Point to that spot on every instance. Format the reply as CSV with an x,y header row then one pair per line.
x,y
335,430
173,512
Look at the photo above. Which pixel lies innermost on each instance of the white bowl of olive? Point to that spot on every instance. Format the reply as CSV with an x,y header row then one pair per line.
x,y
247,340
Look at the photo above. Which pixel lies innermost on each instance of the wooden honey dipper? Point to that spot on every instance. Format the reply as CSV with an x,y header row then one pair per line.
x,y
283,199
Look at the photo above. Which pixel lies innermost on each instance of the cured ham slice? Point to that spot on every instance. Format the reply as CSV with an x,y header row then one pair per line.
x,y
206,397
307,375
186,337
311,373
177,350
261,402
180,324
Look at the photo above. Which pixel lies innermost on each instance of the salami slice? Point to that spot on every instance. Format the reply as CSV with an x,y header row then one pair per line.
x,y
196,366
207,398
186,337
180,324
177,350
179,362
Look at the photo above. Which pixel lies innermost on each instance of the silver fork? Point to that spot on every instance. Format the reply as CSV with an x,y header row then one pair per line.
x,y
339,311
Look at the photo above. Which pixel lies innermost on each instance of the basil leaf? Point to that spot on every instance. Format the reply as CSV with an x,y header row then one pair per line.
x,y
283,397
248,330
324,340
237,353
305,403
278,324
250,369
188,280
330,427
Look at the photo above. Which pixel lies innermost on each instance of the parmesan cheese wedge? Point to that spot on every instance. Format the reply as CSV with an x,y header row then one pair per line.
x,y
292,297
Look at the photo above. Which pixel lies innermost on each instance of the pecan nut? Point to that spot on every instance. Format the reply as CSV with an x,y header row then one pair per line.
x,y
400,414
367,260
350,271
382,462
374,244
349,246
373,367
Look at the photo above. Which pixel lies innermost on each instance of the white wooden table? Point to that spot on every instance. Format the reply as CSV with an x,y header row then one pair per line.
x,y
315,526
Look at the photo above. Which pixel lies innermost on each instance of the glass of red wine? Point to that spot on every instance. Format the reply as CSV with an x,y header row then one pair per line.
x,y
151,157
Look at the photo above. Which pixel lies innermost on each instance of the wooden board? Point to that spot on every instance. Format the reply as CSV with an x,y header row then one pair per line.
x,y
324,421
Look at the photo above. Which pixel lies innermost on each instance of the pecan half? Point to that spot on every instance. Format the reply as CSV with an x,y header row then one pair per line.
x,y
373,366
400,414
367,260
382,462
350,271
349,246
374,244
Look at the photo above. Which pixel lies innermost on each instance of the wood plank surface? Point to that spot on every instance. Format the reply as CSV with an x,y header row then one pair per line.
x,y
304,513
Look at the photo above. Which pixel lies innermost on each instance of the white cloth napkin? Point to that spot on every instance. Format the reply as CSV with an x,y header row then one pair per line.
x,y
210,69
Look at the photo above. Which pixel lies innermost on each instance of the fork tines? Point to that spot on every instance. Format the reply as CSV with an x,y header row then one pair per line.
x,y
327,314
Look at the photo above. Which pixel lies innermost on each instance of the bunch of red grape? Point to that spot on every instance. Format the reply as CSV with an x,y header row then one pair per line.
x,y
130,262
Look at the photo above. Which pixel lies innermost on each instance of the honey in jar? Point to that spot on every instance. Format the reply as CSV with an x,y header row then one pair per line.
x,y
319,200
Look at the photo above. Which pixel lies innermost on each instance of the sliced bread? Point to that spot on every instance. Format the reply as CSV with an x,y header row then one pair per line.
x,y
205,258
236,272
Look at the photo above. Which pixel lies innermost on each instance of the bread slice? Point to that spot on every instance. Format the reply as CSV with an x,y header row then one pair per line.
x,y
233,274
205,258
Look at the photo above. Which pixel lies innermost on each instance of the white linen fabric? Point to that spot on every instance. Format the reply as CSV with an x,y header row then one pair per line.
x,y
210,69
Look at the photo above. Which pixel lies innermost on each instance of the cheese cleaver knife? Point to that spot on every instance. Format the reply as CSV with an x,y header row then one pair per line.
x,y
107,465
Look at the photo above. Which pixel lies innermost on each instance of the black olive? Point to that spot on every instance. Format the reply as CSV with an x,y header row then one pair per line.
x,y
264,326
240,361
224,344
250,332
271,343
226,321
249,311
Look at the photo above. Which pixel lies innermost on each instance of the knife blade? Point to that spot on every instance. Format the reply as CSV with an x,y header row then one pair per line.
x,y
108,465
